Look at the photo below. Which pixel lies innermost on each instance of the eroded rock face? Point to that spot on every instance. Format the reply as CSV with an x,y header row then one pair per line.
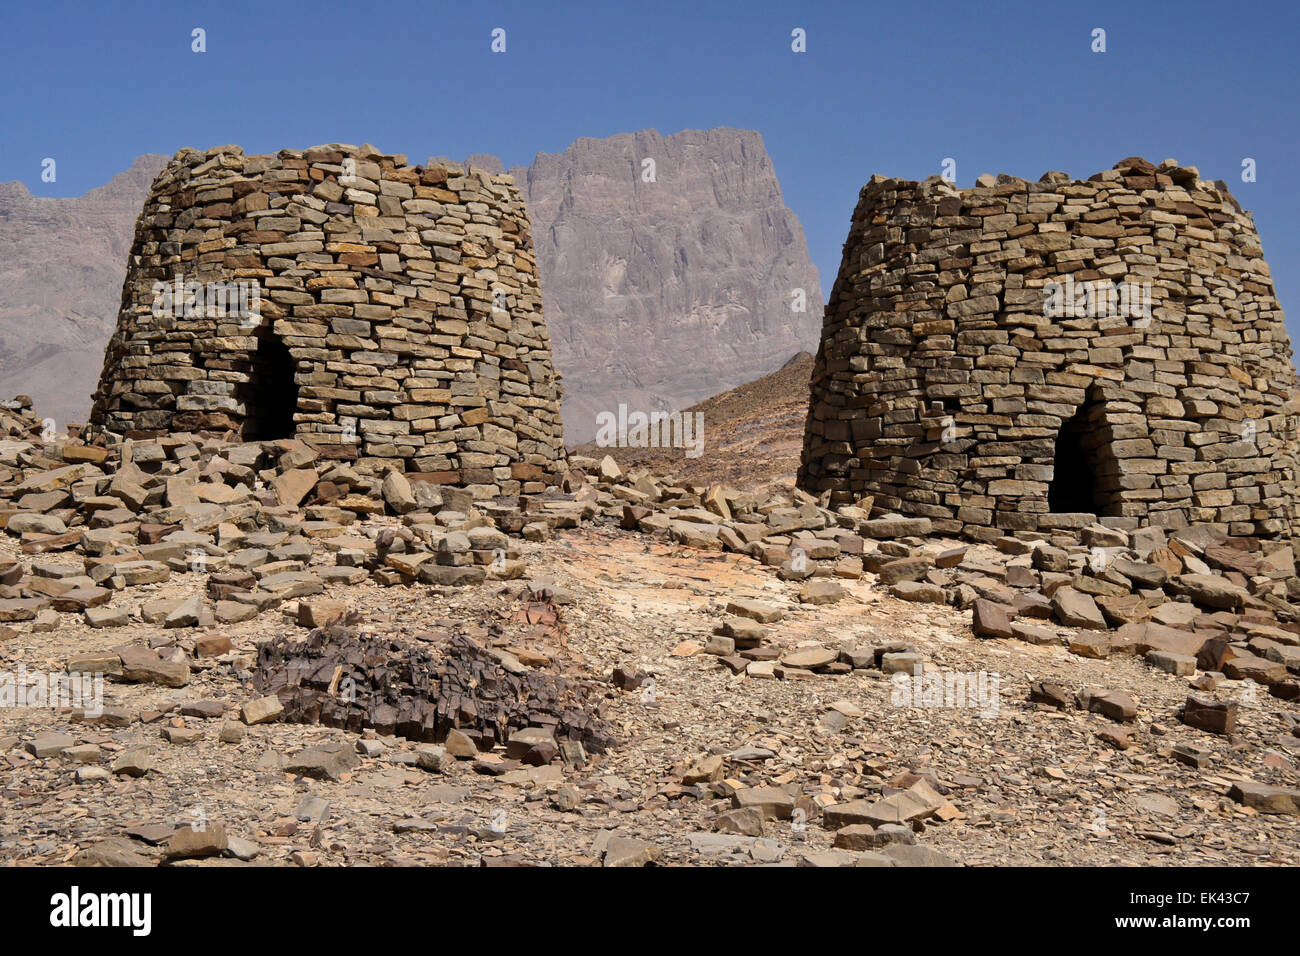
x,y
1023,356
660,294
62,262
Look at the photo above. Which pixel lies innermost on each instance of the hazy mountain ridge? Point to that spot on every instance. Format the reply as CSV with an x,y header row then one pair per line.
x,y
62,262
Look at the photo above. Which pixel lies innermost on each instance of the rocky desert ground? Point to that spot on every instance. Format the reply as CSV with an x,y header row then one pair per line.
x,y
283,661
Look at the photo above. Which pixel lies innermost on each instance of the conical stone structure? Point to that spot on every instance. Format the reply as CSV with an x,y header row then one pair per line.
x,y
379,311
1027,357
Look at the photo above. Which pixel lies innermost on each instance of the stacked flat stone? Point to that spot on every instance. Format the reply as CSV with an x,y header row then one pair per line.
x,y
941,383
407,297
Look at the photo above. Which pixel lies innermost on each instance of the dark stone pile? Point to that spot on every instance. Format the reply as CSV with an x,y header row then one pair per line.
x,y
341,677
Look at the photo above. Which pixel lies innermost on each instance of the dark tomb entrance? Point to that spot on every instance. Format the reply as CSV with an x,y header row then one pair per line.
x,y
1077,474
272,392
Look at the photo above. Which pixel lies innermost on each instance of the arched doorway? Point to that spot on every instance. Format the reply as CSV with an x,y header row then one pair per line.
x,y
1081,474
272,393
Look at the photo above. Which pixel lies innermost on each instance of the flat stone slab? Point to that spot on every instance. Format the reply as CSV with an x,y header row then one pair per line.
x,y
755,610
894,527
810,657
1266,798
1077,609
773,802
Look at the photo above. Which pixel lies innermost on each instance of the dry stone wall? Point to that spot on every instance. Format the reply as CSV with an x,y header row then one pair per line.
x,y
1021,356
379,311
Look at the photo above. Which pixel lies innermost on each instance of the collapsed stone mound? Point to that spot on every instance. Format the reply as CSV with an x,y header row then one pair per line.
x,y
377,310
341,677
1024,356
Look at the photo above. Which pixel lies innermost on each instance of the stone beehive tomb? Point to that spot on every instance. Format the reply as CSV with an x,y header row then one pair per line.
x,y
1022,357
378,311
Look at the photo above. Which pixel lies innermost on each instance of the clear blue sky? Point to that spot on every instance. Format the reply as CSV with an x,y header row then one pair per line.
x,y
892,88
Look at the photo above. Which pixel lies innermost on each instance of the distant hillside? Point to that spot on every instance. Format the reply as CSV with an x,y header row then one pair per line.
x,y
753,434
62,262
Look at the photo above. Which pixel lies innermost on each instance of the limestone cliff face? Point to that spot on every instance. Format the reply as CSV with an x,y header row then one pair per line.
x,y
62,262
658,294
661,293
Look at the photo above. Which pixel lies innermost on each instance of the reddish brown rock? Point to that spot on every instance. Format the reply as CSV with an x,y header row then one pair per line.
x,y
990,620
1211,716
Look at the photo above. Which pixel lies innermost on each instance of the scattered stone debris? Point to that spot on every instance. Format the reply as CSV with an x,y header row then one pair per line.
x,y
699,674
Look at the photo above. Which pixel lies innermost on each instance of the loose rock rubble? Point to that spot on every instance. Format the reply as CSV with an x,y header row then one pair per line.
x,y
622,671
